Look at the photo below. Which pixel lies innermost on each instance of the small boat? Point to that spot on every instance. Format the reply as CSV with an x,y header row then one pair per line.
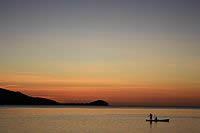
x,y
158,120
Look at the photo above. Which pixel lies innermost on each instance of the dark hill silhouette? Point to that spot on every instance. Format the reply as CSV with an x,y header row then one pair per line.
x,y
95,103
8,97
17,98
99,102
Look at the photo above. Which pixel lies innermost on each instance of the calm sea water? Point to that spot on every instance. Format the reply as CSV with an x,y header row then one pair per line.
x,y
96,120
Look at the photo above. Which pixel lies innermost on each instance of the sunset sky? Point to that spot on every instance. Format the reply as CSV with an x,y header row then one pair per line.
x,y
122,51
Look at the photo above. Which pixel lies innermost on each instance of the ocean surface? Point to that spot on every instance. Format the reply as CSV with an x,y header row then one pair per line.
x,y
55,119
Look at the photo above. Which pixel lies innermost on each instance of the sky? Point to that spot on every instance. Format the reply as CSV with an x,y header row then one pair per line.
x,y
127,52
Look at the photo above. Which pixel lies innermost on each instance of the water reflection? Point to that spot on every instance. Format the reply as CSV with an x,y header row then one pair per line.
x,y
150,123
95,120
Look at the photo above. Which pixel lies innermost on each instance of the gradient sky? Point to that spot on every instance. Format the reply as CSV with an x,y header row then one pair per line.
x,y
122,51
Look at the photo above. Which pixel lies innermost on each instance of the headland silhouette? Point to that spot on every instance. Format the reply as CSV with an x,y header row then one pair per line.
x,y
8,97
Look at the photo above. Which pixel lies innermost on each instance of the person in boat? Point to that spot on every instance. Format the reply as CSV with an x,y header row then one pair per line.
x,y
156,118
151,116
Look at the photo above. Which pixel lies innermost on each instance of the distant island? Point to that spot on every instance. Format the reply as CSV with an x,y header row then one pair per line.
x,y
8,97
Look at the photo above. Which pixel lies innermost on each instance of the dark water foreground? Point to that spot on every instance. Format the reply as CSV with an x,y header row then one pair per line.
x,y
95,120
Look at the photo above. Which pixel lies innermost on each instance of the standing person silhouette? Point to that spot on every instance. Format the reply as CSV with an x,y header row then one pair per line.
x,y
150,115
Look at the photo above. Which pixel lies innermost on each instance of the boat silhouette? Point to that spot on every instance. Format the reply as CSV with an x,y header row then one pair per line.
x,y
158,120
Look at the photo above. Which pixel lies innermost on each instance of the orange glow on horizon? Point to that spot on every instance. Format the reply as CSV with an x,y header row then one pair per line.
x,y
125,96
127,90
